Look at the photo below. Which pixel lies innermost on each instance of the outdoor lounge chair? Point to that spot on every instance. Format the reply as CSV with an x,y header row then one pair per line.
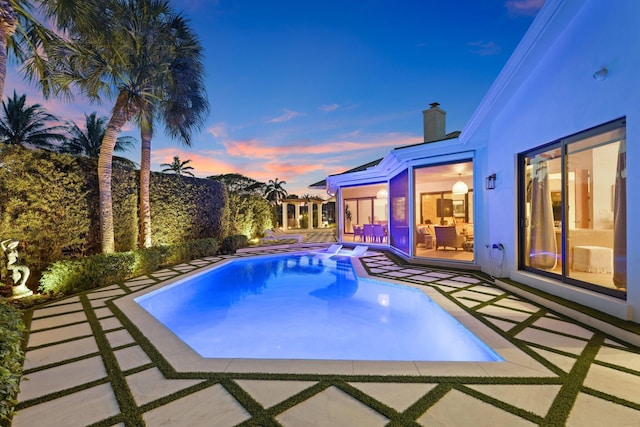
x,y
328,252
356,252
278,235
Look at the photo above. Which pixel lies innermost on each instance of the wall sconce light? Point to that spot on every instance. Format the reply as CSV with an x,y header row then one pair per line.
x,y
491,181
601,74
382,194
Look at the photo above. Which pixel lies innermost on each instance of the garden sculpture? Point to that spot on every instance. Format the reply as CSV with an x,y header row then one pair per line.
x,y
20,272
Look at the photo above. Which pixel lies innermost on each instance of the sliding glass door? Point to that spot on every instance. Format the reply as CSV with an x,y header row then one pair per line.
x,y
573,209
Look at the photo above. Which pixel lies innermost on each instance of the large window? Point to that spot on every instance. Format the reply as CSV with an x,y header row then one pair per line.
x,y
444,211
399,197
573,209
362,205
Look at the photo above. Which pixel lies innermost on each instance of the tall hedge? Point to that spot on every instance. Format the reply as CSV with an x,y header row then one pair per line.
x,y
49,202
44,204
185,208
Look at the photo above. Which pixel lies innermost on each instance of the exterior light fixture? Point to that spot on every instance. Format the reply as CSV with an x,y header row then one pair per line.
x,y
491,182
382,194
601,74
460,187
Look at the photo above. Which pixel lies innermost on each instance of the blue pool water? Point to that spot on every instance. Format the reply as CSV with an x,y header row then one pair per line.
x,y
304,307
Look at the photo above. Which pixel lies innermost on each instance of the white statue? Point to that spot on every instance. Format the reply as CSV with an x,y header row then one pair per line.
x,y
20,272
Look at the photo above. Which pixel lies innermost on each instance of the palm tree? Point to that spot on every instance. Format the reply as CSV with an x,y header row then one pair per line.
x,y
89,141
181,104
23,124
274,191
115,58
22,36
178,167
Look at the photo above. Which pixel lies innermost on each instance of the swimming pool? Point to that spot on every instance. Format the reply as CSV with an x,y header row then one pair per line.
x,y
305,307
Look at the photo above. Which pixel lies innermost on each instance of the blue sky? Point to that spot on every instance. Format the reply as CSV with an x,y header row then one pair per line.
x,y
303,89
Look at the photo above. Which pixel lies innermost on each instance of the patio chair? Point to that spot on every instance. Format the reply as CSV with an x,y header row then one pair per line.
x,y
379,233
368,232
278,235
358,231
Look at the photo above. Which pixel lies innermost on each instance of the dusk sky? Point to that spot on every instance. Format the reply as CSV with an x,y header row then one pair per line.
x,y
303,89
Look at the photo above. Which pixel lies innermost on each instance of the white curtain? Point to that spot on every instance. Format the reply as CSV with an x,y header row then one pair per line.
x,y
543,248
620,219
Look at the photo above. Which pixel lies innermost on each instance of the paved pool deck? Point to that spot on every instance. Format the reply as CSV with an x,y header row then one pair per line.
x,y
87,363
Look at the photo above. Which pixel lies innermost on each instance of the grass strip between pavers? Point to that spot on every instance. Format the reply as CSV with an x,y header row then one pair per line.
x,y
124,397
558,414
560,409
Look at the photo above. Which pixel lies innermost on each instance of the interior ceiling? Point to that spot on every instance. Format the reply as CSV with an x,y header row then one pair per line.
x,y
449,170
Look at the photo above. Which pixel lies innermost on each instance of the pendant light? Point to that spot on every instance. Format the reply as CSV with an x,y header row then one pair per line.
x,y
460,187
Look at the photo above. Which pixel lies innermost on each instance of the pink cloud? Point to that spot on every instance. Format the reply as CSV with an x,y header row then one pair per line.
x,y
328,108
524,7
204,164
288,115
255,148
219,130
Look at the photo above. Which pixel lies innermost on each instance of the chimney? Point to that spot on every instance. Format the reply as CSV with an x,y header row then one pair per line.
x,y
434,123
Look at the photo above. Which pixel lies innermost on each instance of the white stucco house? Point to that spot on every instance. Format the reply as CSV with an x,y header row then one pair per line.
x,y
535,189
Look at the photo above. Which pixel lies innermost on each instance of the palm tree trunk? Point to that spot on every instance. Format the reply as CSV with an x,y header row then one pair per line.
x,y
3,58
145,172
121,114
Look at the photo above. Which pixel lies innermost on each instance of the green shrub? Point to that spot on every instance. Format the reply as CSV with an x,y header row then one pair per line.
x,y
185,208
50,203
71,276
11,356
249,215
231,244
43,204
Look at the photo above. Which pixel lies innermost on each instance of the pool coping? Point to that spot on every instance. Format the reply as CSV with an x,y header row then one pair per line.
x,y
183,359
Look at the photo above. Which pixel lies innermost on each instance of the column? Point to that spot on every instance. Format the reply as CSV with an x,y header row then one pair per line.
x,y
297,213
284,215
310,215
319,214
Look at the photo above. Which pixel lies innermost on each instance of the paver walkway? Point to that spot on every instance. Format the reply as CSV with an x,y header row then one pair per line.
x,y
86,364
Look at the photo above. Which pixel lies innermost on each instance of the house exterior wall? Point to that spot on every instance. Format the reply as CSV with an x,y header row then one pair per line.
x,y
557,97
545,92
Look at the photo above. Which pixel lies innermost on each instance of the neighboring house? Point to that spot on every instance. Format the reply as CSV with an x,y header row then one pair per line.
x,y
536,184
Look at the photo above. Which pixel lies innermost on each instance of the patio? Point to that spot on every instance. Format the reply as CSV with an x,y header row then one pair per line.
x,y
88,364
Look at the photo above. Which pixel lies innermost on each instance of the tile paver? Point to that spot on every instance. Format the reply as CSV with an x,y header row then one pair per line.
x,y
78,409
61,332
269,393
331,408
59,352
61,377
457,409
592,411
398,396
208,407
150,385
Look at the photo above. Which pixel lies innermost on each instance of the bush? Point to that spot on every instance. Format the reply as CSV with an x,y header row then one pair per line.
x,y
231,244
11,356
71,276
50,203
248,214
